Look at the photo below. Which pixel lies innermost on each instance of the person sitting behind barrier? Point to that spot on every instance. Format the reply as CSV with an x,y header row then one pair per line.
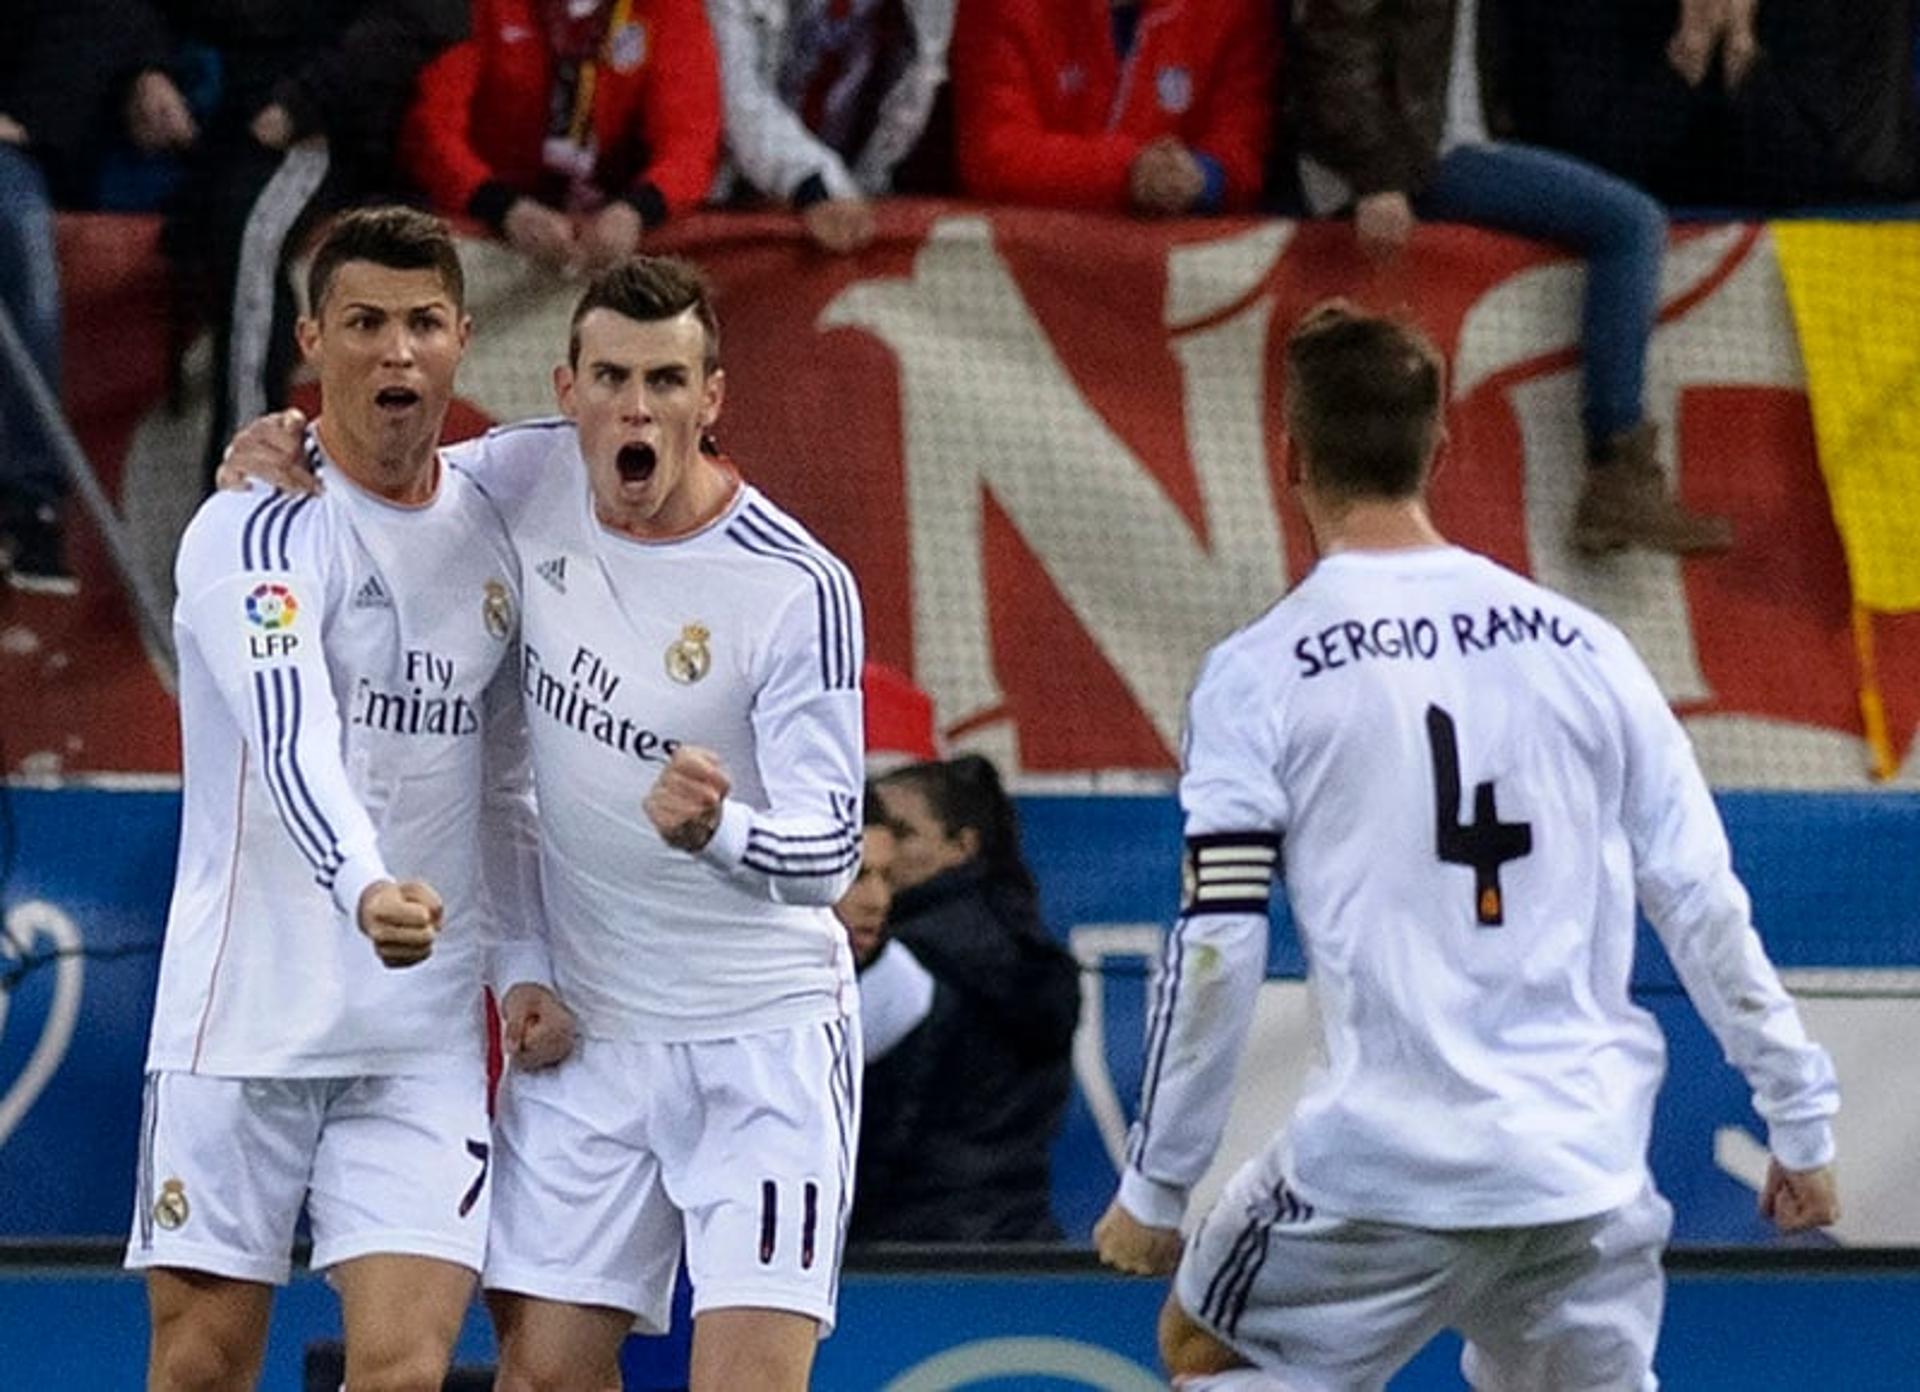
x,y
959,1117
307,100
569,127
1159,107
1400,104
826,100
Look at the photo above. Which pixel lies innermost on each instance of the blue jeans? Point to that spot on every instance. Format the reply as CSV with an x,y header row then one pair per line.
x,y
1620,230
30,291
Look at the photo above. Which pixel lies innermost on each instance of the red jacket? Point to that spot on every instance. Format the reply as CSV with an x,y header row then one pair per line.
x,y
473,138
1046,112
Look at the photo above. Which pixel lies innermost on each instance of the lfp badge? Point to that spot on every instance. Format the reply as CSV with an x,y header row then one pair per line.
x,y
272,608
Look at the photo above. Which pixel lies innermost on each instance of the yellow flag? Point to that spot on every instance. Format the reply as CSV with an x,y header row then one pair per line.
x,y
1855,292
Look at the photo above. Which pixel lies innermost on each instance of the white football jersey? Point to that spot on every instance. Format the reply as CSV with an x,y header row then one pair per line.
x,y
1467,779
348,715
744,638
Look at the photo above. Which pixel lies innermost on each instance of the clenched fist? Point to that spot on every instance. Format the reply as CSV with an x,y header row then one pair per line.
x,y
402,920
686,800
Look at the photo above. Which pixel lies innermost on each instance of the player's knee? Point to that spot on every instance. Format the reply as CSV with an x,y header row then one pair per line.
x,y
1188,1347
418,1368
187,1358
532,1367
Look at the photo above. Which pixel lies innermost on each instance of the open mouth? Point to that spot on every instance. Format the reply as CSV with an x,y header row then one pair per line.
x,y
396,398
635,462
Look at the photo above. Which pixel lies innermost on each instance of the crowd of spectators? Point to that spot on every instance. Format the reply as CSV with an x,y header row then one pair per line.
x,y
571,128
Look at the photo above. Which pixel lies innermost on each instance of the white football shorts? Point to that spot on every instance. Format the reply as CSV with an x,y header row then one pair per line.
x,y
1328,1303
382,1164
742,1148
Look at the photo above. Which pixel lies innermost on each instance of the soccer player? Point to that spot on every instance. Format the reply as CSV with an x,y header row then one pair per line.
x,y
1471,779
348,718
692,681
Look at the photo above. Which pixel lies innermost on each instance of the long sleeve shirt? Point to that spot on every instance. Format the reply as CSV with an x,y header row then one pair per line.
x,y
473,140
348,715
744,638
1047,111
1469,780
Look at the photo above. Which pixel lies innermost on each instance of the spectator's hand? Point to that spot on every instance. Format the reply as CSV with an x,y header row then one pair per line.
x,y
158,118
11,131
402,920
610,236
272,126
1797,1200
1127,1244
1165,179
686,799
839,224
1384,223
270,449
536,1031
538,231
1741,46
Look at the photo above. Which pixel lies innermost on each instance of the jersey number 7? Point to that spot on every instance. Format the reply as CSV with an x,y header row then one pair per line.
x,y
1486,843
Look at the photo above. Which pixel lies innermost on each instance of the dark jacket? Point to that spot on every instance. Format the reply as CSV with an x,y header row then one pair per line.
x,y
64,70
1370,81
959,1118
342,68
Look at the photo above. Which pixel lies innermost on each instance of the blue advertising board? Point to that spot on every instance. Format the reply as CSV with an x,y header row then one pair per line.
x,y
85,903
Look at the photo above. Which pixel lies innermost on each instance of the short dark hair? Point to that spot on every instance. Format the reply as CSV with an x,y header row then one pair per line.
x,y
1362,397
648,289
402,239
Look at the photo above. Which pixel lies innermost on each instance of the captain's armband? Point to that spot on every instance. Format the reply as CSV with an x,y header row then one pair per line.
x,y
1228,872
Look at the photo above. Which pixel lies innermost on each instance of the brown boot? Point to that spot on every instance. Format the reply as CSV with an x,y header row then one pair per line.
x,y
1628,502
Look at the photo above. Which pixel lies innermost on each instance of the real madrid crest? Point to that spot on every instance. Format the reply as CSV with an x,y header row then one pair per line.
x,y
170,1209
496,610
689,658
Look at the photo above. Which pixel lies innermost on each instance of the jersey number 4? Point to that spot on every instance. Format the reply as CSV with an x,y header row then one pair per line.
x,y
1484,844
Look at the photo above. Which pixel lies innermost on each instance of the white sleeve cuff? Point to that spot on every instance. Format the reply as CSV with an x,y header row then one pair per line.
x,y
1801,1145
727,847
352,881
1153,1203
515,962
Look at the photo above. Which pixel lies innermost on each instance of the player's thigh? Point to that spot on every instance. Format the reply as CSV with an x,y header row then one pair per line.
x,y
403,1168
208,1331
556,1346
402,1315
1328,1302
1579,1308
580,1212
222,1173
760,1161
769,1350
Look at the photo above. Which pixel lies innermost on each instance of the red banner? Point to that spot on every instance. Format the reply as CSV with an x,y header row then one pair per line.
x,y
1046,445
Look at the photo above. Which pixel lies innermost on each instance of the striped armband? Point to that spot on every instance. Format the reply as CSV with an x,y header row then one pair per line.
x,y
1228,872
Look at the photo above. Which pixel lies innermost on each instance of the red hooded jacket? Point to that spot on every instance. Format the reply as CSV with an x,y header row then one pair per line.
x,y
473,139
1046,112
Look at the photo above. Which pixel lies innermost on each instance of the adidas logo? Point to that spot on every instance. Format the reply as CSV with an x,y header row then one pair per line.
x,y
372,595
554,572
